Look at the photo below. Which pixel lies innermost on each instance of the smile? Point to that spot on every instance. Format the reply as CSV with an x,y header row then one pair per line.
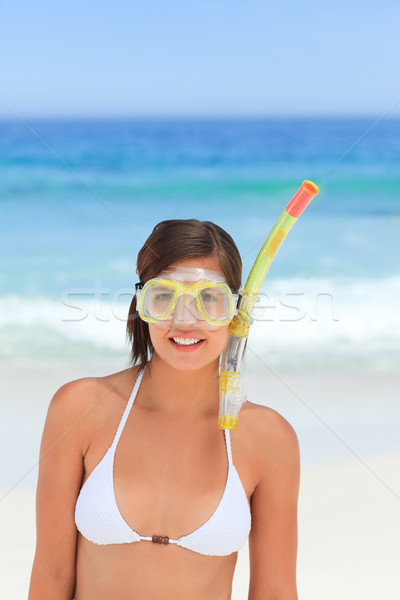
x,y
186,341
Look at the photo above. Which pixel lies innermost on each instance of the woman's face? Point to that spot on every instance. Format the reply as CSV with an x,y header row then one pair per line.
x,y
185,344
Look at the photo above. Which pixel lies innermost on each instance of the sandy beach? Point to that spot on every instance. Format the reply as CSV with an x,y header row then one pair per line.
x,y
349,510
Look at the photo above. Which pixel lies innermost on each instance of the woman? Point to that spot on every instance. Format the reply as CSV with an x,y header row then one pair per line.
x,y
140,495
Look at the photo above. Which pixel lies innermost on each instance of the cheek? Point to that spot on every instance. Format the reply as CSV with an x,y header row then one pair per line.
x,y
221,338
156,333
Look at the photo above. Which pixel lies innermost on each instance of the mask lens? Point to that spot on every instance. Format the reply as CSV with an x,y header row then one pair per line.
x,y
215,303
157,300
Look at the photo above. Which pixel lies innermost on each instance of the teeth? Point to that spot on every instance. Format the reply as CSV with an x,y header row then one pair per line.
x,y
186,341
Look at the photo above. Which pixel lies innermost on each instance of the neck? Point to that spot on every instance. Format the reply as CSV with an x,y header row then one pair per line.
x,y
181,392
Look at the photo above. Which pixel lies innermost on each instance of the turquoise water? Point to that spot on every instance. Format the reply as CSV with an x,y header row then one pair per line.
x,y
79,198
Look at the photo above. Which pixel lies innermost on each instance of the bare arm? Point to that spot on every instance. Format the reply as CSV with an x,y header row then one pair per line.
x,y
60,475
273,538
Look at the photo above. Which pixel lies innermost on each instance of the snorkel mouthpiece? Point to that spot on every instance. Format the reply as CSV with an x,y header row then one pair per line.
x,y
231,396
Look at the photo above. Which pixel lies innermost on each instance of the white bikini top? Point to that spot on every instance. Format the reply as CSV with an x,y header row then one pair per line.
x,y
98,519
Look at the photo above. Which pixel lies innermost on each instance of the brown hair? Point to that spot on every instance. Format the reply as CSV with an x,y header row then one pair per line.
x,y
169,242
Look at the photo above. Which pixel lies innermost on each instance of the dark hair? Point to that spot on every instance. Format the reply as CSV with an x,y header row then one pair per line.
x,y
169,242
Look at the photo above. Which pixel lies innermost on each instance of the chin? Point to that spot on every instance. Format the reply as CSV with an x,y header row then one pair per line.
x,y
183,364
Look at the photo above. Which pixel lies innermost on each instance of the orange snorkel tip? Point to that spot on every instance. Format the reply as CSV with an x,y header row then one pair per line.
x,y
302,198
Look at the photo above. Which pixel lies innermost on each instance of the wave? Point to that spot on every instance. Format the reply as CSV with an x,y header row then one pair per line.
x,y
297,321
322,321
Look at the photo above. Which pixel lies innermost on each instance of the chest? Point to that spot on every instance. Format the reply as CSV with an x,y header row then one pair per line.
x,y
170,476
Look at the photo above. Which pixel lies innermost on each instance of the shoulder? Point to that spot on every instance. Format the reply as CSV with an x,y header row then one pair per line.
x,y
268,426
94,396
273,439
79,394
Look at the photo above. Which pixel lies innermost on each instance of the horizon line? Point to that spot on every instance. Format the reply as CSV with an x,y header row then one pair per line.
x,y
193,117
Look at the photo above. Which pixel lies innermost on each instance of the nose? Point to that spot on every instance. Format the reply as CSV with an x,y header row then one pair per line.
x,y
185,312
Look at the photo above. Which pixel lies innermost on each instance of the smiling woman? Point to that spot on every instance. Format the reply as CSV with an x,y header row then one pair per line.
x,y
170,243
140,495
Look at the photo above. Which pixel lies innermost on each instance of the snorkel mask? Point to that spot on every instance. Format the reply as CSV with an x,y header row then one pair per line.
x,y
186,296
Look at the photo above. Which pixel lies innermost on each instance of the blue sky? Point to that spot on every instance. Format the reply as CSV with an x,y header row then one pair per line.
x,y
199,58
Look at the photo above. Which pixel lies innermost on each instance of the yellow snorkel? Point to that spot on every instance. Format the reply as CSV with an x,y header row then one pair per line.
x,y
231,397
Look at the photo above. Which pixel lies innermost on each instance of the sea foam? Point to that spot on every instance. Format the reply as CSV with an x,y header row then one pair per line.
x,y
296,320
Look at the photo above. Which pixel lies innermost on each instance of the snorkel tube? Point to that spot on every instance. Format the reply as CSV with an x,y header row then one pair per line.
x,y
231,396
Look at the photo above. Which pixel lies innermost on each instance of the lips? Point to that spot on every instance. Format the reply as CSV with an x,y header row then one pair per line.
x,y
186,344
186,341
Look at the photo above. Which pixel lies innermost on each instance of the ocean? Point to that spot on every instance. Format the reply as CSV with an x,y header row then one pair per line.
x,y
79,198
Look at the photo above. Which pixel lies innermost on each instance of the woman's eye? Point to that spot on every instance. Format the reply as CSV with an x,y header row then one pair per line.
x,y
209,297
162,297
